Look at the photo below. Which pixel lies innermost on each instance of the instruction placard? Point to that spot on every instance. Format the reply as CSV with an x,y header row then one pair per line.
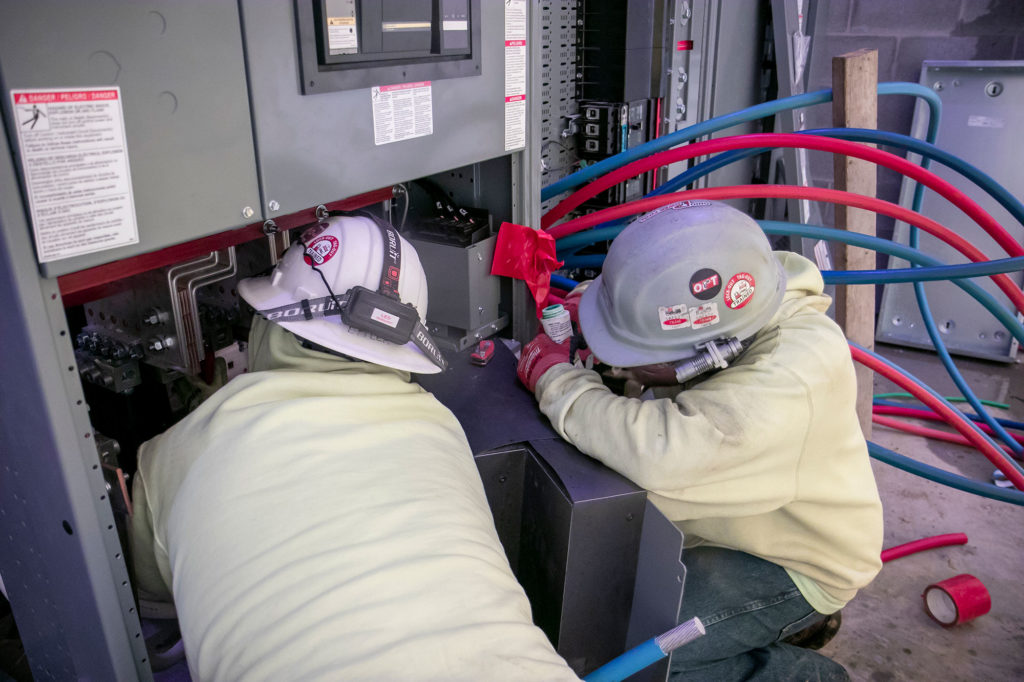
x,y
515,74
74,158
401,112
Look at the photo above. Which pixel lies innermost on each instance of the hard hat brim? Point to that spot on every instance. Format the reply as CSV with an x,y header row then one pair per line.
x,y
332,333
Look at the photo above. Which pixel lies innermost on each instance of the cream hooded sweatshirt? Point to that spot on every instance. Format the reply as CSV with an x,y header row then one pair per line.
x,y
320,519
765,457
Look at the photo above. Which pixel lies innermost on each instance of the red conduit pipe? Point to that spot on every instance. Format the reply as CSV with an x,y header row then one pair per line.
x,y
930,416
921,545
935,434
816,142
953,417
1005,284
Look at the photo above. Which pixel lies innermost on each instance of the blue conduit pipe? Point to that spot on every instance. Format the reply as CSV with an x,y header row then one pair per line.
x,y
563,282
713,125
1013,463
993,492
901,275
928,151
924,273
648,653
1013,205
1006,318
1009,423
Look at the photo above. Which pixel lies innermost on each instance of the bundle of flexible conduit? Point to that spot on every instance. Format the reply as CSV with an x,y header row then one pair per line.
x,y
571,237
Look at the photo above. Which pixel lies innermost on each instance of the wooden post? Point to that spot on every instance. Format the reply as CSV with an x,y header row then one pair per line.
x,y
855,105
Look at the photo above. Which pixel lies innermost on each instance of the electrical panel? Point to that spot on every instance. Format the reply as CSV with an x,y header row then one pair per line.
x,y
349,44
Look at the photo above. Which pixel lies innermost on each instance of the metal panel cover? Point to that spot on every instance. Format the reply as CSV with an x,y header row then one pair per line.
x,y
981,124
189,138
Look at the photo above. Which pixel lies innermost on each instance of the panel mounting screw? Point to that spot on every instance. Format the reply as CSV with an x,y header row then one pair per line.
x,y
994,89
321,212
247,212
270,227
938,86
273,205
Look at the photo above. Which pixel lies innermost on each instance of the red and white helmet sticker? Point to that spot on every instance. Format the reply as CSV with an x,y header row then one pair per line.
x,y
705,284
705,315
321,250
674,316
739,290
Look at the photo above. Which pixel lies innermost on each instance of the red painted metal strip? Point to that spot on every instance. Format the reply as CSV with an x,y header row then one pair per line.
x,y
87,285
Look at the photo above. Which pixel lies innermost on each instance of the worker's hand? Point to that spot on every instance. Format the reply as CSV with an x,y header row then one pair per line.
x,y
572,300
539,356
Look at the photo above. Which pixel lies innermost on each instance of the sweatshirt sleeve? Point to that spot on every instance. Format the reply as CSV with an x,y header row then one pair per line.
x,y
726,447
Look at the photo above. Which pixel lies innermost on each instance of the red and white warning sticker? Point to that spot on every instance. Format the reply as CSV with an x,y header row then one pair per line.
x,y
321,250
704,315
674,316
739,290
402,111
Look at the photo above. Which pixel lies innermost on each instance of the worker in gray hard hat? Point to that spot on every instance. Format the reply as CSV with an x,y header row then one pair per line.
x,y
321,517
753,449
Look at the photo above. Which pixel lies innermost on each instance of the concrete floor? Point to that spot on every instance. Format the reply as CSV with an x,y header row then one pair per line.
x,y
886,634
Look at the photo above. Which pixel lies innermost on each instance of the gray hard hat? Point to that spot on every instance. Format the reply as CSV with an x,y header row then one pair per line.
x,y
678,277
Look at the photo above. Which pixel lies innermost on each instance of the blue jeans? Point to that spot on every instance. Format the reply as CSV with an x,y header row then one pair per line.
x,y
747,606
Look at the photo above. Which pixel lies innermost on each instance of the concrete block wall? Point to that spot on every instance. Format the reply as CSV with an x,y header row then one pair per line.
x,y
905,33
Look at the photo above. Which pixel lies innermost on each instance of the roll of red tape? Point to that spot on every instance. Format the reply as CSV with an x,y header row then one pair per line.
x,y
956,600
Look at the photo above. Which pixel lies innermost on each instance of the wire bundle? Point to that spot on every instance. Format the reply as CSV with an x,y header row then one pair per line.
x,y
577,233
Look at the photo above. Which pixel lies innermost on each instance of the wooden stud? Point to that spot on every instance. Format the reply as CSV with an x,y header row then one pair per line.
x,y
855,105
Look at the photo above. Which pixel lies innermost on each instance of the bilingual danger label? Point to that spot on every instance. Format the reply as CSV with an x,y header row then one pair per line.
x,y
515,74
674,316
401,112
74,158
739,290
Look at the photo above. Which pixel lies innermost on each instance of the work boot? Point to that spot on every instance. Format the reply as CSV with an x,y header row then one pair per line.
x,y
817,635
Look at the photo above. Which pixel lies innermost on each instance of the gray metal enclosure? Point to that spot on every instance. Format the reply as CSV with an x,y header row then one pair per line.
x,y
220,136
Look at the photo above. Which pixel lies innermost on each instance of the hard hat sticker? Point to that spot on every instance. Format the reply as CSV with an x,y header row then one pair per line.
x,y
313,231
321,250
739,290
704,316
705,284
672,207
674,316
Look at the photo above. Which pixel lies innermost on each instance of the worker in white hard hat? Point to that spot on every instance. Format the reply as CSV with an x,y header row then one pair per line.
x,y
747,437
321,516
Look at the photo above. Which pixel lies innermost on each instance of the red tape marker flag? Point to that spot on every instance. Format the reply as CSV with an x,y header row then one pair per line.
x,y
527,254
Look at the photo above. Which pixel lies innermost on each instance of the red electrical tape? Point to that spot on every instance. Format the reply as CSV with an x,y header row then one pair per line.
x,y
816,142
955,419
956,600
921,545
1005,284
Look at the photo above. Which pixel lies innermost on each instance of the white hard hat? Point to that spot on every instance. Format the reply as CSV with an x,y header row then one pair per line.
x,y
678,277
335,263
